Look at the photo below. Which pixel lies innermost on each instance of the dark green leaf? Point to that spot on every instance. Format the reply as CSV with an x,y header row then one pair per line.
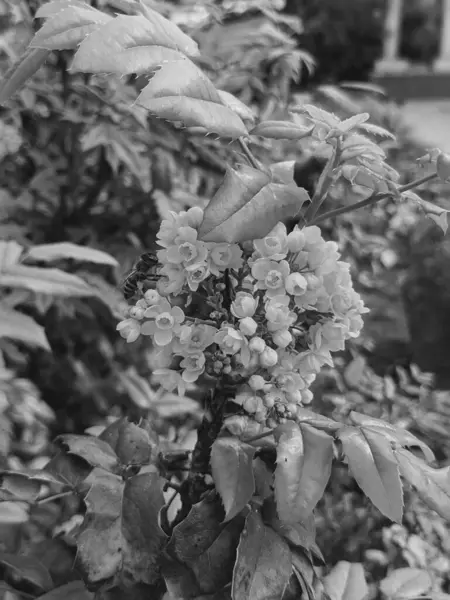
x,y
346,582
179,579
232,471
304,457
372,463
393,434
263,478
301,534
75,590
19,73
132,444
180,91
28,569
304,570
263,565
432,485
195,534
67,25
15,325
24,487
247,206
93,450
46,281
68,468
406,583
120,534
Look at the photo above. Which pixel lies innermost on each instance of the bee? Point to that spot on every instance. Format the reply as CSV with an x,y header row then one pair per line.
x,y
145,270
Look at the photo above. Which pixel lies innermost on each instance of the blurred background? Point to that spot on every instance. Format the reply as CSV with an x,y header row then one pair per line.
x,y
80,163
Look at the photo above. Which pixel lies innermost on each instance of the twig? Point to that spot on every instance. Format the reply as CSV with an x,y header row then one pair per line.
x,y
248,153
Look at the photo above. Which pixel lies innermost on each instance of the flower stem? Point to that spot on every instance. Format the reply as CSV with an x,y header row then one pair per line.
x,y
371,200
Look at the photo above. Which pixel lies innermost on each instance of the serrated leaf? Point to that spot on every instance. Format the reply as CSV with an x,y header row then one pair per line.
x,y
377,130
283,172
28,569
133,44
432,485
132,444
232,471
372,463
94,451
247,206
301,534
195,534
434,212
180,91
120,535
66,27
67,250
352,122
46,281
346,582
49,9
25,487
281,130
317,114
304,457
19,73
75,590
263,564
402,584
68,468
17,326
393,434
236,105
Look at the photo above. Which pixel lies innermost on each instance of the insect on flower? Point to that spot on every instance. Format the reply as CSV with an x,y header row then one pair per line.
x,y
144,271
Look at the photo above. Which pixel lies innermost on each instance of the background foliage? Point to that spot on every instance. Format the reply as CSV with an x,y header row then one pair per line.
x,y
78,164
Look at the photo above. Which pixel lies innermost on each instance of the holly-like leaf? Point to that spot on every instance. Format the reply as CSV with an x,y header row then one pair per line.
x,y
232,471
19,73
434,212
395,435
372,463
432,485
120,534
75,590
402,584
24,487
28,569
301,534
247,206
180,91
15,325
316,420
68,468
376,130
283,172
67,24
352,122
318,115
133,444
67,250
94,451
263,564
242,110
133,44
304,457
346,582
282,130
195,534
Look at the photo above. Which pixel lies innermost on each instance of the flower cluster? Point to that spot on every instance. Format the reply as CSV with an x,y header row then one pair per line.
x,y
267,316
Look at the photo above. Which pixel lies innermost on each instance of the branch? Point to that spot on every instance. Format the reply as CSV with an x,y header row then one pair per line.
x,y
371,200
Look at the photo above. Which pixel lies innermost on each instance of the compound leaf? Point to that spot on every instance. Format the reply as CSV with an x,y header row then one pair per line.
x,y
263,564
232,471
432,485
372,463
120,534
304,457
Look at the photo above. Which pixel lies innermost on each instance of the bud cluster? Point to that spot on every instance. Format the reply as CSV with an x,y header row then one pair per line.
x,y
266,315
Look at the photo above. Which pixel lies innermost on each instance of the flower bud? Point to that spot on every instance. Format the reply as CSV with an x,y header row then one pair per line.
x,y
248,326
137,312
307,396
152,297
226,370
282,338
296,240
257,344
269,357
295,284
256,382
141,303
294,397
260,416
251,404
